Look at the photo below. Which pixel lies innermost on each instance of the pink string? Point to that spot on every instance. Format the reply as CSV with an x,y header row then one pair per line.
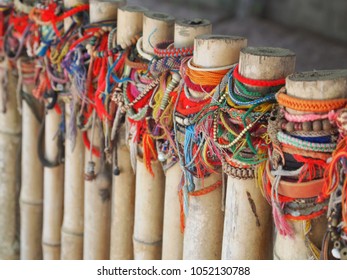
x,y
331,116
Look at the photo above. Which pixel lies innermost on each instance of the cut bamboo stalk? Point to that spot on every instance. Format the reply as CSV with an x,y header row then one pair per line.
x,y
31,196
129,24
104,10
149,204
248,219
315,85
73,222
97,205
149,200
10,142
123,205
185,32
53,190
157,28
204,223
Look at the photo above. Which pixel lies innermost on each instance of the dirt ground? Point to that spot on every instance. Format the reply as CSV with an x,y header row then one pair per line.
x,y
313,52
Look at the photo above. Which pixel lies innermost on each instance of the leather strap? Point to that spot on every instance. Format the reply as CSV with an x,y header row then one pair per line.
x,y
297,190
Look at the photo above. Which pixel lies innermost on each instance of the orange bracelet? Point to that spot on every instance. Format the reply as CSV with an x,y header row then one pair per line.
x,y
317,106
206,190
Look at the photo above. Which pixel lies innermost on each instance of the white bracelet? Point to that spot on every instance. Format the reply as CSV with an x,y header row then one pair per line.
x,y
145,55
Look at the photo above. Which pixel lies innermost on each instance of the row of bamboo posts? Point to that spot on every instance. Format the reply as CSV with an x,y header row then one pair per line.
x,y
63,216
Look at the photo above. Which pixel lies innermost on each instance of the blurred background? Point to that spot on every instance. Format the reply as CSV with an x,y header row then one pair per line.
x,y
316,30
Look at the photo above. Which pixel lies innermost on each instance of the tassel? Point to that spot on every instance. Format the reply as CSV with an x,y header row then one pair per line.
x,y
72,128
3,86
313,248
182,218
310,167
332,174
187,187
281,224
133,146
149,152
259,176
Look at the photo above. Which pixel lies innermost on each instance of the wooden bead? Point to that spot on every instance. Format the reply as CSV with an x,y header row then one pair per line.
x,y
326,125
281,124
317,126
297,126
290,127
307,126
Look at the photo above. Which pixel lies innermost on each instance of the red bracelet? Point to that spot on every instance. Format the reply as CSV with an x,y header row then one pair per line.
x,y
258,83
162,50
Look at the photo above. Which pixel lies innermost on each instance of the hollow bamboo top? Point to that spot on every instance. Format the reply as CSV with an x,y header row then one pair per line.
x,y
322,84
133,8
72,3
217,50
195,22
266,63
159,16
129,23
103,10
187,29
157,28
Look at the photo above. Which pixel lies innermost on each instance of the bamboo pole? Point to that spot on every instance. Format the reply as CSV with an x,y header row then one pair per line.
x,y
315,85
10,141
31,196
149,200
73,221
97,211
248,219
204,224
129,24
53,190
185,32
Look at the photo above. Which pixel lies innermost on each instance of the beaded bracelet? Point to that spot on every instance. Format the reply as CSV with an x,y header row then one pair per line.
x,y
317,125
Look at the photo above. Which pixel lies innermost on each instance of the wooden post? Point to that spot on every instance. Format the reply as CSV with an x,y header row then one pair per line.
x,y
248,219
129,24
10,141
73,223
149,199
185,32
31,195
204,224
315,85
97,212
